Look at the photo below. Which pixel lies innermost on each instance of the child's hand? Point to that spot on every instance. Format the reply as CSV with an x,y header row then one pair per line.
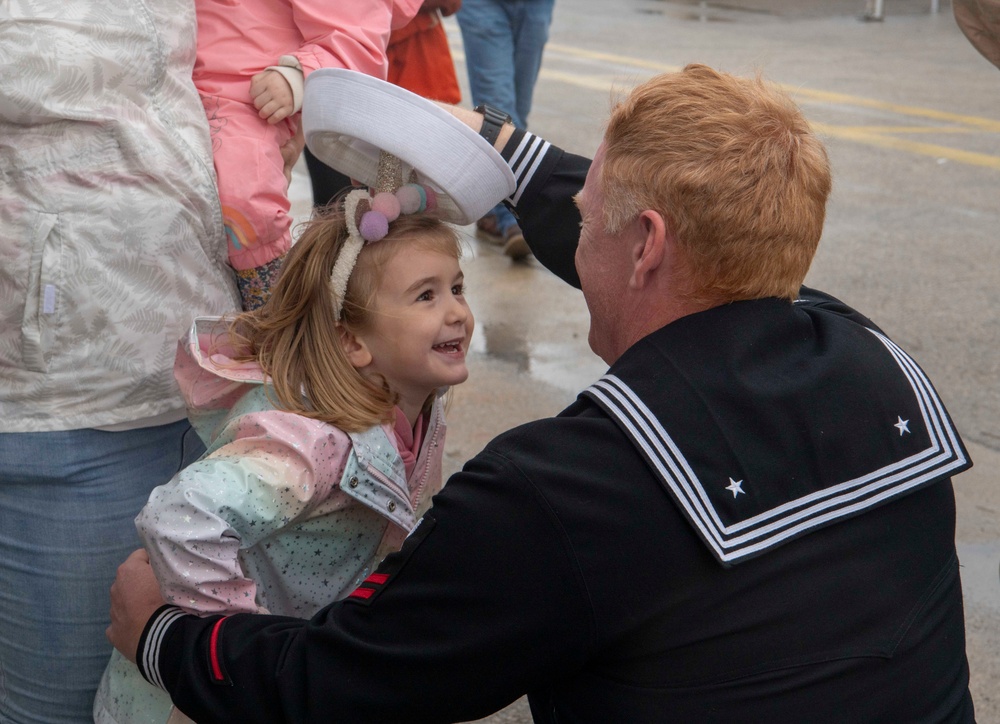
x,y
272,96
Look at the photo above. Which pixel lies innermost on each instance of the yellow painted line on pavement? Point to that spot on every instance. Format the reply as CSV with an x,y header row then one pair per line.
x,y
813,95
909,129
607,85
985,124
901,144
612,58
868,135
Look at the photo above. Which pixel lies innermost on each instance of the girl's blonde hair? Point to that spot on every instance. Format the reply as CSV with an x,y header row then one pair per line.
x,y
295,336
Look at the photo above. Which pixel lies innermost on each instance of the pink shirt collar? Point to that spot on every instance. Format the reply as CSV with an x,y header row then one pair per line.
x,y
408,439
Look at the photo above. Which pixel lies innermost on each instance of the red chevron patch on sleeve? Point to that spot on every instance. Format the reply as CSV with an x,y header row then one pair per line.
x,y
376,583
363,592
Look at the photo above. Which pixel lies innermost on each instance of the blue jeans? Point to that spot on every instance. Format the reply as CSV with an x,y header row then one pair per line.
x,y
67,505
504,40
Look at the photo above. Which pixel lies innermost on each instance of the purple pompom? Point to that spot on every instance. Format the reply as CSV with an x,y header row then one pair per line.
x,y
373,226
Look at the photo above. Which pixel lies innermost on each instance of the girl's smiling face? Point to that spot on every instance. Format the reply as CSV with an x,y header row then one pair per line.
x,y
421,327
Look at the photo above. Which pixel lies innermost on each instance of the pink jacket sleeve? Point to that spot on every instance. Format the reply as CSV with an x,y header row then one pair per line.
x,y
349,34
195,526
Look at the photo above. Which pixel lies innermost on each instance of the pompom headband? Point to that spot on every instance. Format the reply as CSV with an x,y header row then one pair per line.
x,y
369,214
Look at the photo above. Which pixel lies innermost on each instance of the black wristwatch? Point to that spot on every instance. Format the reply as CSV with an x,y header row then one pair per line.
x,y
493,120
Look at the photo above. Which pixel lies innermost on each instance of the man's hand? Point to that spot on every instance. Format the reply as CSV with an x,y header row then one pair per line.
x,y
475,121
135,596
272,96
290,152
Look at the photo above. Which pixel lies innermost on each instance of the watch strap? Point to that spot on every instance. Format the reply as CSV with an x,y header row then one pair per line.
x,y
493,120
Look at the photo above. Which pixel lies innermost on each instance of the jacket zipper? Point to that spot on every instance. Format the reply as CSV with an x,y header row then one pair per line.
x,y
427,459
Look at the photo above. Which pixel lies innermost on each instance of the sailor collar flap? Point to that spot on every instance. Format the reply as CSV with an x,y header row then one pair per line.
x,y
765,421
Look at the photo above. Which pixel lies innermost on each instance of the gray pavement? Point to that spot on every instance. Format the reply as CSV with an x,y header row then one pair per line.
x,y
911,117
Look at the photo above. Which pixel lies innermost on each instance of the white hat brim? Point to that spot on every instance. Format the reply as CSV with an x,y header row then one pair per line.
x,y
349,117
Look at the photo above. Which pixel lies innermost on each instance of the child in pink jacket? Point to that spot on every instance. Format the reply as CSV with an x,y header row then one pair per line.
x,y
323,421
252,59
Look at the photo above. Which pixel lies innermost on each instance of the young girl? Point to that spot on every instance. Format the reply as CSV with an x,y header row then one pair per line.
x,y
322,415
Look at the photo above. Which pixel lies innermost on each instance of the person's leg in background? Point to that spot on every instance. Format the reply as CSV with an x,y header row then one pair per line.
x,y
531,33
530,21
488,38
326,182
488,35
68,501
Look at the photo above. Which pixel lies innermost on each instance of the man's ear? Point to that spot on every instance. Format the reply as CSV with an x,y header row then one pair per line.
x,y
354,347
651,248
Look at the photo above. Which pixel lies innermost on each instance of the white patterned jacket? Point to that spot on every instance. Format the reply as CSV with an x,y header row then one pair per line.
x,y
111,236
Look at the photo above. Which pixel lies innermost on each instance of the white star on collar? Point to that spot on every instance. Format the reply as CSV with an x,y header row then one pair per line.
x,y
736,486
902,425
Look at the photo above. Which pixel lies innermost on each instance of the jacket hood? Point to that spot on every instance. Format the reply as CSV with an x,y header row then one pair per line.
x,y
209,379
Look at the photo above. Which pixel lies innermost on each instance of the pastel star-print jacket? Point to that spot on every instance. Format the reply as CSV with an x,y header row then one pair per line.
x,y
283,513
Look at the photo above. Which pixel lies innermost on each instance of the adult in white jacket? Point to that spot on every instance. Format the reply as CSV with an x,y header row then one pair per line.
x,y
111,241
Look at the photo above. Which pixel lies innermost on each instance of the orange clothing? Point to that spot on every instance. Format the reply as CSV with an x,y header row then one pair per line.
x,y
420,60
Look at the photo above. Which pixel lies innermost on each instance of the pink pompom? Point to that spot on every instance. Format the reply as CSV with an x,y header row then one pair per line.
x,y
409,198
373,226
432,198
386,204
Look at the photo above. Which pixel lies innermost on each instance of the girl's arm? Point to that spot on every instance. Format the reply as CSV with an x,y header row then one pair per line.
x,y
195,526
485,598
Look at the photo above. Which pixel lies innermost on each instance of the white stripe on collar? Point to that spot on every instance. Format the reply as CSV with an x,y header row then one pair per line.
x,y
767,530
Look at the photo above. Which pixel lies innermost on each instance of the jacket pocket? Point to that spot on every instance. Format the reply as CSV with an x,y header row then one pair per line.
x,y
42,297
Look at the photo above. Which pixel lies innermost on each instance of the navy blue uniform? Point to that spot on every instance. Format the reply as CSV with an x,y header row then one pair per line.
x,y
749,518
